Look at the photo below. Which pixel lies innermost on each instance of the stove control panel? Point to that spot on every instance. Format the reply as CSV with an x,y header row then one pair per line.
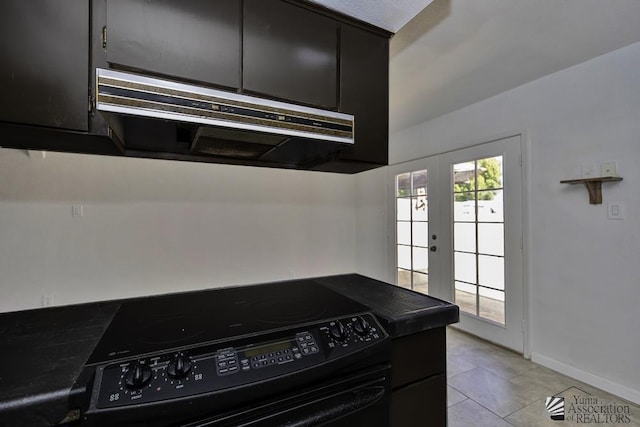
x,y
213,367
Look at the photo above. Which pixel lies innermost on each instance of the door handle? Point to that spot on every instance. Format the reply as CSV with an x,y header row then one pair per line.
x,y
433,248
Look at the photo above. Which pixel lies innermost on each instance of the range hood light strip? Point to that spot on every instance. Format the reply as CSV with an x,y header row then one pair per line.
x,y
209,117
131,94
127,95
165,87
221,101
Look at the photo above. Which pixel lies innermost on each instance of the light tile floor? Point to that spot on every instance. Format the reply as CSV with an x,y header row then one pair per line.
x,y
493,387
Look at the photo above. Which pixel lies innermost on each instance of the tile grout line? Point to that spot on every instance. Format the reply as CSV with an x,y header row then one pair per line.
x,y
483,406
475,401
460,351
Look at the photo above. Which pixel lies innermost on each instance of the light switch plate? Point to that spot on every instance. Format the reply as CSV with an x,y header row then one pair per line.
x,y
615,210
77,210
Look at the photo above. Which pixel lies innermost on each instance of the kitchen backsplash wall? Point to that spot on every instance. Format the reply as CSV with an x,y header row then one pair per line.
x,y
78,228
372,244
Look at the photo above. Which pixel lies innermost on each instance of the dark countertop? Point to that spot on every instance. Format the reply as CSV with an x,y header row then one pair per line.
x,y
43,351
401,311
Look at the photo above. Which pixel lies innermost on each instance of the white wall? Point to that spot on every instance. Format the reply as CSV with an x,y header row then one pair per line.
x,y
372,233
585,276
153,226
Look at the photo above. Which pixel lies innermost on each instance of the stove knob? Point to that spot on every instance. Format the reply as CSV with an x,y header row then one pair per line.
x,y
179,367
137,376
337,331
361,326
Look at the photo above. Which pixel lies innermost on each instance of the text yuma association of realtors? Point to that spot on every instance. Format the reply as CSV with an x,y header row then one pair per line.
x,y
589,410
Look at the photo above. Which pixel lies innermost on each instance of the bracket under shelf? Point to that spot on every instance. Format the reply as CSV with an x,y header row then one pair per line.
x,y
594,186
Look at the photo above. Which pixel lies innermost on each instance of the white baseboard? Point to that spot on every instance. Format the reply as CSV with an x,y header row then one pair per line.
x,y
609,386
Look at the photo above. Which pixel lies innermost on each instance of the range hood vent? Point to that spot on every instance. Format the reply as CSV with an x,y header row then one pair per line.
x,y
221,124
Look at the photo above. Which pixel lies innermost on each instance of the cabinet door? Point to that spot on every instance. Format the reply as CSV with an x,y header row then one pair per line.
x,y
190,39
290,53
420,404
44,51
364,92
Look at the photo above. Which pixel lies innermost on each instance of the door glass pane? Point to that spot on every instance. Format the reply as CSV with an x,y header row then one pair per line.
x,y
404,233
404,278
490,206
403,185
491,272
464,177
464,207
492,305
404,257
419,182
403,209
489,173
465,267
420,234
491,239
464,237
420,259
421,283
419,205
466,297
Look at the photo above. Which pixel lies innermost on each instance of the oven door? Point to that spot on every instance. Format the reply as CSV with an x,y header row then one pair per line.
x,y
362,399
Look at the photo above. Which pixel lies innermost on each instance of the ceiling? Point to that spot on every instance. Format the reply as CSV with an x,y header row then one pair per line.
x,y
458,52
448,54
388,14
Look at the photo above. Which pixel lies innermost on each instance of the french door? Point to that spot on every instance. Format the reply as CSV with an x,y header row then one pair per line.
x,y
458,235
414,188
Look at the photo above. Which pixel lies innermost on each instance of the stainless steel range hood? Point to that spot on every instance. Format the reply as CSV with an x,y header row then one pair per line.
x,y
157,115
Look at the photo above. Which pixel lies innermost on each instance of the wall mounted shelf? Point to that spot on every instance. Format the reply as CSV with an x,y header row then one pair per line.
x,y
594,186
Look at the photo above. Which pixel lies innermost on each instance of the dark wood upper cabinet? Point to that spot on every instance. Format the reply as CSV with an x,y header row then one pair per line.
x,y
364,92
189,39
44,51
290,53
289,50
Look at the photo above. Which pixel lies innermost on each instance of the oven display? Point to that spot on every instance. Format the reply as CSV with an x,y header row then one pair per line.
x,y
270,348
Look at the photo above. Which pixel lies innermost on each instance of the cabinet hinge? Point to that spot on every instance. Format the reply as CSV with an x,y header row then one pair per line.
x,y
104,37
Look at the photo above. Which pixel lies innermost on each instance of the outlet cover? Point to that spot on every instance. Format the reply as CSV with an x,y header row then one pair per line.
x,y
77,210
47,300
588,170
609,169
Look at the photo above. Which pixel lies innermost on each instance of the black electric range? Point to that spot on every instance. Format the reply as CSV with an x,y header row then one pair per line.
x,y
289,353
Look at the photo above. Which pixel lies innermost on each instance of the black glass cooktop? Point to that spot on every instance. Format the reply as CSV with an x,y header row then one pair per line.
x,y
166,322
